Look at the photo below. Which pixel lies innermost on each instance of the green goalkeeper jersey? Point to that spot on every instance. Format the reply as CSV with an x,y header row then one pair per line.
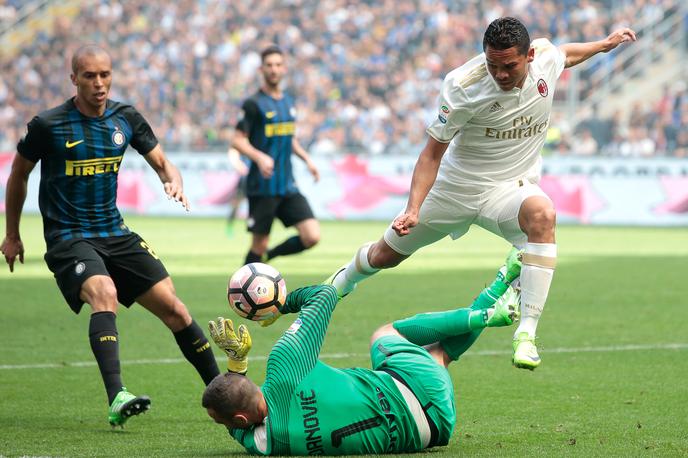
x,y
315,409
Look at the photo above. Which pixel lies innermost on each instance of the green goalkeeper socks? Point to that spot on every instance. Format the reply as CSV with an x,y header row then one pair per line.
x,y
457,345
450,326
455,330
428,328
491,294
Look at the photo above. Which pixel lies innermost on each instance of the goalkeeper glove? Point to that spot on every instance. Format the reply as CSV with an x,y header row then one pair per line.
x,y
269,321
235,344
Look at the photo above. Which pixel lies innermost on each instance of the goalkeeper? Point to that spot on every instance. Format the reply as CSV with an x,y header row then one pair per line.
x,y
305,407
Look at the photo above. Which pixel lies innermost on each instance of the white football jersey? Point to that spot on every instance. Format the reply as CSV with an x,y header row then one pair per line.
x,y
495,136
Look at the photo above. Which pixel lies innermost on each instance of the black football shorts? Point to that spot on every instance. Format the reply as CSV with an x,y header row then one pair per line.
x,y
127,259
290,210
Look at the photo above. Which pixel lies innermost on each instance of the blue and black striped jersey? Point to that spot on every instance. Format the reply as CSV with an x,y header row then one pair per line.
x,y
80,158
269,126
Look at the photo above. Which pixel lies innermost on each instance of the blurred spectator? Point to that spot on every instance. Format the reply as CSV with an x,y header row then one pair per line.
x,y
367,72
586,145
682,144
637,143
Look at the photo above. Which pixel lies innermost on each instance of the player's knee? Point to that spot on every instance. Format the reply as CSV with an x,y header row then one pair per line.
x,y
381,256
310,240
101,294
385,330
177,316
545,219
541,223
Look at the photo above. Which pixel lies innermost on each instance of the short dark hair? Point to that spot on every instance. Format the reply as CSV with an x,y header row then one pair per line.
x,y
86,50
272,49
229,393
505,33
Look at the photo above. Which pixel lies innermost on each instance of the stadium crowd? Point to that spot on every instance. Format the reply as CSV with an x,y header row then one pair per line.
x,y
365,73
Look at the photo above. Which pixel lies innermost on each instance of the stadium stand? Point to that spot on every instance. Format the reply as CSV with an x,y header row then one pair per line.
x,y
366,73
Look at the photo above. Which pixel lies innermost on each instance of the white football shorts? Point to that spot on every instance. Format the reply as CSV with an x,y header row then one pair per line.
x,y
451,210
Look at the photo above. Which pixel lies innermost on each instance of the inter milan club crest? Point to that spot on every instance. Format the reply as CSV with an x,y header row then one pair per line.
x,y
118,137
542,87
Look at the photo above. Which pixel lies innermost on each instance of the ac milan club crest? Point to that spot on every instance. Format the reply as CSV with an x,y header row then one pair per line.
x,y
542,87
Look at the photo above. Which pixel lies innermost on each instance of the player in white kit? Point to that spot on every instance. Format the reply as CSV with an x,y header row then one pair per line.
x,y
493,114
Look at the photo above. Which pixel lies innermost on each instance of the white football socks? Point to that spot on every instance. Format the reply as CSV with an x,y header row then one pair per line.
x,y
358,269
539,261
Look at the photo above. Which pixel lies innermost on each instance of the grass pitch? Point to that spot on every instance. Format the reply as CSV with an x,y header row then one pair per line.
x,y
613,341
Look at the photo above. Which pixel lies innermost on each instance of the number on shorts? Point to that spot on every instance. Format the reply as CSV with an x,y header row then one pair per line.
x,y
150,251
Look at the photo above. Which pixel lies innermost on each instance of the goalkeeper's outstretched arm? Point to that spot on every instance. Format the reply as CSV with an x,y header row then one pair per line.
x,y
296,352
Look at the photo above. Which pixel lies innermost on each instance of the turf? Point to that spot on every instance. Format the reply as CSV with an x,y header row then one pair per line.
x,y
613,340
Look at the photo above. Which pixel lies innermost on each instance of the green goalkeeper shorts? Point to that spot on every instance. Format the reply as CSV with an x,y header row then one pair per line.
x,y
428,381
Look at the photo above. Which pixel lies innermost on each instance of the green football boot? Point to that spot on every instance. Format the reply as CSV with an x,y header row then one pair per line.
x,y
525,352
341,292
513,265
506,309
126,405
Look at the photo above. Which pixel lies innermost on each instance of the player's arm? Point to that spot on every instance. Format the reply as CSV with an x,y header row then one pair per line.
x,y
235,161
253,439
296,352
455,110
169,175
265,163
15,196
241,142
30,149
424,175
305,157
580,52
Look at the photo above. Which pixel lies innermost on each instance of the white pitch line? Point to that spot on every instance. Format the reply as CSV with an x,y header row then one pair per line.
x,y
603,349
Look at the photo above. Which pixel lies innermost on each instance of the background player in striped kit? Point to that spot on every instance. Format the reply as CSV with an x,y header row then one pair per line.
x,y
305,407
95,257
266,135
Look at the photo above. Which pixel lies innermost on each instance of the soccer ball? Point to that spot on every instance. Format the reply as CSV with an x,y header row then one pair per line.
x,y
255,291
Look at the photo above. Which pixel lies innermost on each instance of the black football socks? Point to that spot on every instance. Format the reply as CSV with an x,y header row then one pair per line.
x,y
102,332
292,245
197,351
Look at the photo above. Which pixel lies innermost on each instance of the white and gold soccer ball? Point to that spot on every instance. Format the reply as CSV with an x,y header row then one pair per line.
x,y
256,291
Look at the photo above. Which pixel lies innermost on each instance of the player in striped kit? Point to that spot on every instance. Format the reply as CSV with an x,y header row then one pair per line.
x,y
265,134
305,407
493,116
94,256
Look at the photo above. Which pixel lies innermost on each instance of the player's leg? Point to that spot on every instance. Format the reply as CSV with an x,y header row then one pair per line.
x,y
100,293
259,248
235,204
141,277
261,213
386,253
456,329
440,215
360,267
422,371
83,277
294,210
162,301
523,214
537,218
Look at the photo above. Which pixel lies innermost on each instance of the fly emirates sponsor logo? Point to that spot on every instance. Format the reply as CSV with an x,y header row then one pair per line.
x,y
521,127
